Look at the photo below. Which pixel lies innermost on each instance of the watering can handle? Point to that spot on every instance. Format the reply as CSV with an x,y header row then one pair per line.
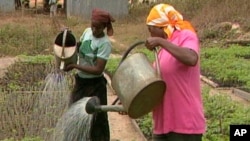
x,y
135,45
130,49
126,54
63,42
124,57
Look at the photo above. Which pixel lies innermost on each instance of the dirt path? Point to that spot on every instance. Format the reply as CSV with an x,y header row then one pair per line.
x,y
122,127
226,91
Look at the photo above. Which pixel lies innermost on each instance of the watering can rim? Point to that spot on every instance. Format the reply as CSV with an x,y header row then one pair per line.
x,y
128,57
70,51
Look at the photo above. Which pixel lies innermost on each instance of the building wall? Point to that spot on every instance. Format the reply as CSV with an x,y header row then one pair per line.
x,y
7,5
83,8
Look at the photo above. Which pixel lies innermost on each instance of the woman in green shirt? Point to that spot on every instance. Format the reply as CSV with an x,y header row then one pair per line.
x,y
94,51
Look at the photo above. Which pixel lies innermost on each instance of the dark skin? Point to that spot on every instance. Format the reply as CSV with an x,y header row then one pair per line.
x,y
98,32
158,37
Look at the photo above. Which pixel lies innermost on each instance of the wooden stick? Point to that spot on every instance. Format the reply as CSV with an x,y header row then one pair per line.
x,y
211,83
240,42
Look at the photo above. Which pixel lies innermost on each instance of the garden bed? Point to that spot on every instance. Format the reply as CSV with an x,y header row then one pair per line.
x,y
227,67
221,67
27,112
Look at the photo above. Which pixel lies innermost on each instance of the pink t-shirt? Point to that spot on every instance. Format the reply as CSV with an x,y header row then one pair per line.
x,y
181,110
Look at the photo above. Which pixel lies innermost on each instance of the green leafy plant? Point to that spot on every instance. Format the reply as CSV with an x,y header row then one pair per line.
x,y
112,65
226,66
220,112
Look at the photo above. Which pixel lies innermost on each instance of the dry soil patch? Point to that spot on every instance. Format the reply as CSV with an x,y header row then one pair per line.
x,y
122,127
5,62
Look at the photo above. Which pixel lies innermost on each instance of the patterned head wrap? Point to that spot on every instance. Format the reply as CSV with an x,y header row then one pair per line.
x,y
164,15
104,17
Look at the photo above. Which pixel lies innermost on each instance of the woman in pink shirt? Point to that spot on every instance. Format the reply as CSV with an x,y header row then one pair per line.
x,y
180,117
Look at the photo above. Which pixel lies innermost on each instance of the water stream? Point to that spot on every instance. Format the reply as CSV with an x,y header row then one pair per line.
x,y
57,121
75,124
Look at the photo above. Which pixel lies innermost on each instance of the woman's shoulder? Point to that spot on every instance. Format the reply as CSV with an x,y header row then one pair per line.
x,y
88,29
185,33
86,34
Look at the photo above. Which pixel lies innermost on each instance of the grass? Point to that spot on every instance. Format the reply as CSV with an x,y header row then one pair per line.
x,y
40,31
33,34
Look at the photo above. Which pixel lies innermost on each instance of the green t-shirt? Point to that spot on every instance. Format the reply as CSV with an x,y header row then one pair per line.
x,y
92,48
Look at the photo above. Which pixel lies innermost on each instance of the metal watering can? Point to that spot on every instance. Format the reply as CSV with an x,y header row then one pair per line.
x,y
138,85
65,49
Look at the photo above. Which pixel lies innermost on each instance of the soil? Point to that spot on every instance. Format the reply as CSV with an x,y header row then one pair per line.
x,y
4,63
122,127
225,91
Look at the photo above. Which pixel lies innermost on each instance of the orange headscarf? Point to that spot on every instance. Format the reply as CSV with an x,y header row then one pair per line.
x,y
105,17
164,15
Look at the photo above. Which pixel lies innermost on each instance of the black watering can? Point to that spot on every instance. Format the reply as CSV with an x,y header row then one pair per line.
x,y
65,49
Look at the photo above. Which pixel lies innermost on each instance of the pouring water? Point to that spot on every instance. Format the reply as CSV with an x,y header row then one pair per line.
x,y
75,123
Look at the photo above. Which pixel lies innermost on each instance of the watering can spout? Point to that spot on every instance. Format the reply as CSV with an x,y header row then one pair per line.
x,y
93,106
62,65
